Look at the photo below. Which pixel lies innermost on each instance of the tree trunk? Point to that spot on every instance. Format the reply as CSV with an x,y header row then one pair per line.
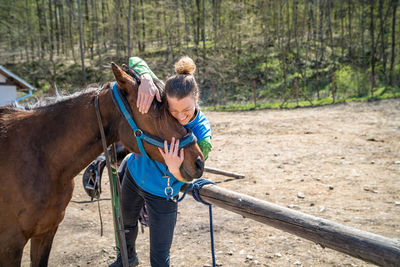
x,y
129,28
62,28
104,22
381,22
117,35
333,88
51,54
255,92
342,26
186,24
214,98
350,12
178,24
289,32
294,14
81,43
167,35
50,26
203,28
328,15
86,26
321,33
57,25
92,30
40,35
70,17
362,33
97,33
283,50
143,44
29,33
215,21
392,59
297,91
372,76
197,26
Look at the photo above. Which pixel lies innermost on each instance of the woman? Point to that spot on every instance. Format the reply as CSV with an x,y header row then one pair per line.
x,y
143,183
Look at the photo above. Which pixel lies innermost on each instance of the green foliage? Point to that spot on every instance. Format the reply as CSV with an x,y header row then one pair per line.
x,y
350,81
234,44
381,93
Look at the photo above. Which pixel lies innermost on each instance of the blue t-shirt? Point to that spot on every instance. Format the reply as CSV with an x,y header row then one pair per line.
x,y
149,177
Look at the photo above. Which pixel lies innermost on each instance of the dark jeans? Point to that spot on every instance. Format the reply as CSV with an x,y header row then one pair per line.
x,y
162,218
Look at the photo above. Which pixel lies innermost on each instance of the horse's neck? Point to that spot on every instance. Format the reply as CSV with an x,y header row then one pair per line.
x,y
75,136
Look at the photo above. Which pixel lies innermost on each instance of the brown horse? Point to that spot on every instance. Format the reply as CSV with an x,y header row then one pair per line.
x,y
43,149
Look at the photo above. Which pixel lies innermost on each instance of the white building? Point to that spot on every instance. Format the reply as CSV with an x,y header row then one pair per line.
x,y
9,84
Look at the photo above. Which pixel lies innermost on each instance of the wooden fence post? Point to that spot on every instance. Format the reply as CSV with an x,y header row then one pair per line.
x,y
333,87
213,96
297,92
255,92
360,244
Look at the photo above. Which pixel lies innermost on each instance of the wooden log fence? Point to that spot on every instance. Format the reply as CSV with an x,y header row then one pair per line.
x,y
360,244
222,172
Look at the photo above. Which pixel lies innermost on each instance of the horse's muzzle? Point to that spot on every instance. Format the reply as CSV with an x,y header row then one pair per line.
x,y
199,167
196,171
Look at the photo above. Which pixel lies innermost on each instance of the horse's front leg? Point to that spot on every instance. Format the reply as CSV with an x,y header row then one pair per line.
x,y
40,248
12,243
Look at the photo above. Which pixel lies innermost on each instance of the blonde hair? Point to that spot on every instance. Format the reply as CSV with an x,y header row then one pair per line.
x,y
185,66
183,82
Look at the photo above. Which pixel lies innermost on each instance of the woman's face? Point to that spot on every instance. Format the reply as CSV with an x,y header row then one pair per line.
x,y
182,109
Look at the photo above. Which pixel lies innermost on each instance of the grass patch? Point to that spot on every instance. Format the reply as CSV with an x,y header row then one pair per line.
x,y
380,93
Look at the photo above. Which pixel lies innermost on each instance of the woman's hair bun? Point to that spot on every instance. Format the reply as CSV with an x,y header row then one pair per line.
x,y
185,66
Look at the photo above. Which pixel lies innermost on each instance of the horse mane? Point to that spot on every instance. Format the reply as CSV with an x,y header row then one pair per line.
x,y
51,101
13,113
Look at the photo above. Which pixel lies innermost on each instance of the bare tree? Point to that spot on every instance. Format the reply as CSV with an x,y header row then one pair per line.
x,y
81,42
372,26
394,6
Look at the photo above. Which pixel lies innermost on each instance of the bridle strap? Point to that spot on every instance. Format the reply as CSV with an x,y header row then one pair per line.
x,y
123,107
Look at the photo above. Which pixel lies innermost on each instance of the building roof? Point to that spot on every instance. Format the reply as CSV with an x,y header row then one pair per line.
x,y
15,79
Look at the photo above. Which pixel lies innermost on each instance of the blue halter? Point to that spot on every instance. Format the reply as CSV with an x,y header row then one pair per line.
x,y
140,135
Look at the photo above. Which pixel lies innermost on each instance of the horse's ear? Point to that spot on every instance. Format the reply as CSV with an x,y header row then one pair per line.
x,y
124,81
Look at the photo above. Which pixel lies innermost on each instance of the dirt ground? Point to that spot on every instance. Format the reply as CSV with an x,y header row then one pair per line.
x,y
344,158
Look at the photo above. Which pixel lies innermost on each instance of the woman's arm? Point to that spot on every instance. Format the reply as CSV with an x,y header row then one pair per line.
x,y
205,146
141,66
147,88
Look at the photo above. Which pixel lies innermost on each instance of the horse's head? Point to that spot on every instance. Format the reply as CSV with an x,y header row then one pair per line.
x,y
157,122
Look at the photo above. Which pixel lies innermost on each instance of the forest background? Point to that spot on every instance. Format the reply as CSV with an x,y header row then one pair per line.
x,y
256,53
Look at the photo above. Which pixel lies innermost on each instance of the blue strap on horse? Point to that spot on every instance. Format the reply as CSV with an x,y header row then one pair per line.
x,y
125,110
188,139
195,189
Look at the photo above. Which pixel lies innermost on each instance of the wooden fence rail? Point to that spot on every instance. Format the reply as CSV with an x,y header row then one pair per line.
x,y
367,246
222,172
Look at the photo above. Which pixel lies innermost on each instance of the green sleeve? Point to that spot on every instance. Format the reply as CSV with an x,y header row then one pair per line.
x,y
141,66
205,146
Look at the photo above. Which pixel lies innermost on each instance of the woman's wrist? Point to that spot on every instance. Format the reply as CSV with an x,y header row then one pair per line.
x,y
177,174
145,76
174,171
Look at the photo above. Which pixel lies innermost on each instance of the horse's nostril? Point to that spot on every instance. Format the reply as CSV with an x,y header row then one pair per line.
x,y
199,165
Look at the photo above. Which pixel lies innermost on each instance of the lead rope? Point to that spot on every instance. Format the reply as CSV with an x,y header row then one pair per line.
x,y
195,189
118,221
101,220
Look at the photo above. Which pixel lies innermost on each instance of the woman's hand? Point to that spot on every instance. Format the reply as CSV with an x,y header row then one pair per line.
x,y
147,91
171,157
